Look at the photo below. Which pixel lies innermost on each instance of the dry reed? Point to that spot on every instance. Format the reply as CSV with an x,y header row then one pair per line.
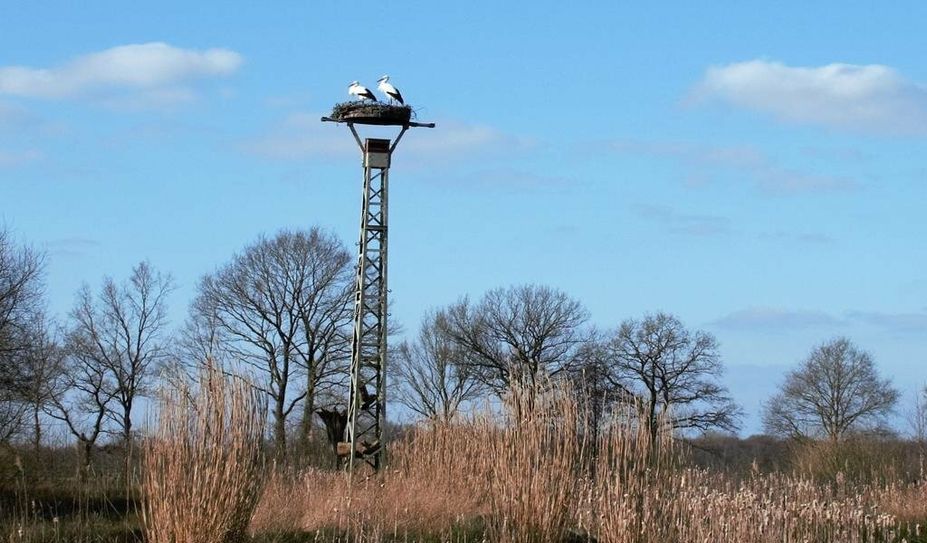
x,y
524,474
532,466
203,467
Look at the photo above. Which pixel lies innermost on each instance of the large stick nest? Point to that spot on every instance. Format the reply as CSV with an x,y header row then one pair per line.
x,y
372,113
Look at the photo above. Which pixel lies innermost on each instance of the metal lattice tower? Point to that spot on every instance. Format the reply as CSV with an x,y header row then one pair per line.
x,y
366,416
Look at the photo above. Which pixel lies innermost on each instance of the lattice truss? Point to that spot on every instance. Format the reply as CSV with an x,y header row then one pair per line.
x,y
366,417
366,407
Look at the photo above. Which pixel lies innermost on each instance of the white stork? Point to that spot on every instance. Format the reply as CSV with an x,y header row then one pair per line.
x,y
362,92
390,91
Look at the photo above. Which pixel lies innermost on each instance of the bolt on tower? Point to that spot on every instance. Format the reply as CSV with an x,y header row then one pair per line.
x,y
366,416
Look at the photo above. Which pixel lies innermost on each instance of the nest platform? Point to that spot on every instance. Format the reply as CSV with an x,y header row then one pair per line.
x,y
372,113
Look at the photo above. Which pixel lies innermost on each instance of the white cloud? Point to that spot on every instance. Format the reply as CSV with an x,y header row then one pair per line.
x,y
865,98
157,69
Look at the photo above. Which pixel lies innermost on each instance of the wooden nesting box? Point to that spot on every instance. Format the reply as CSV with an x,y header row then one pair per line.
x,y
376,153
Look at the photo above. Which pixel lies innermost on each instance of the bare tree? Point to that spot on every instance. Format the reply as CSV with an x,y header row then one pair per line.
x,y
675,372
21,271
597,383
21,290
81,398
836,390
917,418
325,310
121,332
198,342
41,365
282,307
433,379
517,335
12,414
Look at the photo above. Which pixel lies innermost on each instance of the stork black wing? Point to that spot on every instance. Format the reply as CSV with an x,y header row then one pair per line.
x,y
396,96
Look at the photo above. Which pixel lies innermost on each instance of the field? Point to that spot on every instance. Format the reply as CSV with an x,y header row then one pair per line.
x,y
527,471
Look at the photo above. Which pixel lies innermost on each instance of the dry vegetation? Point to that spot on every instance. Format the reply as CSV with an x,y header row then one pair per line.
x,y
538,466
203,468
523,475
520,472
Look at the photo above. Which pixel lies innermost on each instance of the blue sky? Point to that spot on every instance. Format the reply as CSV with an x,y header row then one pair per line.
x,y
756,169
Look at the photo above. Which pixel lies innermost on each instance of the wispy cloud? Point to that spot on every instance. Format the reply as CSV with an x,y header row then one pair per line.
x,y
155,73
775,320
703,163
844,154
16,119
12,115
292,100
862,98
10,159
502,179
805,238
73,246
771,319
683,223
302,136
899,323
458,140
735,156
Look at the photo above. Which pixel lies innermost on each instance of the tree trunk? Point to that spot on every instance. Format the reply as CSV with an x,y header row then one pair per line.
x,y
127,444
279,430
652,419
84,459
308,411
37,430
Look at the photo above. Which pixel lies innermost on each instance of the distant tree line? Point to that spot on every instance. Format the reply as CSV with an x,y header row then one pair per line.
x,y
281,311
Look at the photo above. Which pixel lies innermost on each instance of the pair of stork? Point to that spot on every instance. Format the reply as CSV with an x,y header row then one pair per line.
x,y
362,92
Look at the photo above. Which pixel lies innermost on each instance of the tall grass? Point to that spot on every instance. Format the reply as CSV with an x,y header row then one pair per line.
x,y
203,467
514,475
532,466
634,480
525,474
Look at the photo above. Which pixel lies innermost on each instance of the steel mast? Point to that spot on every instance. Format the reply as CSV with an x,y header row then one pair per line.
x,y
364,439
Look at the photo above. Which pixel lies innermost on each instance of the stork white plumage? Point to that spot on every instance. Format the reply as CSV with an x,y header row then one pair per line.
x,y
389,90
362,92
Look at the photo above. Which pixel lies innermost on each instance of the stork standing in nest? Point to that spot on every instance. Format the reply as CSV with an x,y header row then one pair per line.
x,y
389,90
362,92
